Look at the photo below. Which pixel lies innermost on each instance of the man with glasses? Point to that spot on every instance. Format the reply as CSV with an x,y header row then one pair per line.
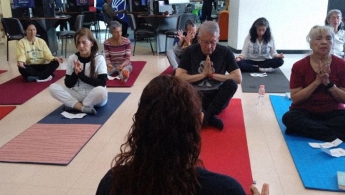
x,y
212,69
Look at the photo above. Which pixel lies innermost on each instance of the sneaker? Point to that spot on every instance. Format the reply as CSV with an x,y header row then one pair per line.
x,y
125,75
44,80
31,78
269,70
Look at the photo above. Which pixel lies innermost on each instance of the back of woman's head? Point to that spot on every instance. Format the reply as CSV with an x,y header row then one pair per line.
x,y
257,23
163,145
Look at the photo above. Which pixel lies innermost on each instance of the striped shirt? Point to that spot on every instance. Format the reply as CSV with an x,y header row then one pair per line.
x,y
116,55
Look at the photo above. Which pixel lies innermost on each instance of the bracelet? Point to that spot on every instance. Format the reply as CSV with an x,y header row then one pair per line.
x,y
329,85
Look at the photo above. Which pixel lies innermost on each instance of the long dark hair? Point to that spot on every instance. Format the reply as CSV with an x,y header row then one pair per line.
x,y
163,146
254,35
94,49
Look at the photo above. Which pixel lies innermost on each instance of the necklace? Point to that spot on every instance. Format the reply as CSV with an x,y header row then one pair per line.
x,y
324,62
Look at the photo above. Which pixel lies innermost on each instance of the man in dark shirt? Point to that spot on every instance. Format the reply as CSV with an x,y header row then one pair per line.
x,y
212,69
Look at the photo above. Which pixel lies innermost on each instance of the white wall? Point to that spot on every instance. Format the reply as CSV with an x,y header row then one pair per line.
x,y
290,20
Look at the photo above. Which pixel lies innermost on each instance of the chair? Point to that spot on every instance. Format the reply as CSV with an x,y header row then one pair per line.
x,y
90,20
13,30
70,34
140,33
181,23
107,19
223,22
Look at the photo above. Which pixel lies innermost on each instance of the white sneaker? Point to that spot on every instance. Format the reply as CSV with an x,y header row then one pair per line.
x,y
44,80
269,70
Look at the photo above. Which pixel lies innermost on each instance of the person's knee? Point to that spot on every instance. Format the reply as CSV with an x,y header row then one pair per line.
x,y
230,85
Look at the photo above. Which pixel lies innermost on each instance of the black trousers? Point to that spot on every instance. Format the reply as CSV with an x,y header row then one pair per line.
x,y
206,11
326,126
42,71
248,65
213,102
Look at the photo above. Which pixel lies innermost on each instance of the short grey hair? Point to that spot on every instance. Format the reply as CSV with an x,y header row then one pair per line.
x,y
333,11
316,30
114,24
209,27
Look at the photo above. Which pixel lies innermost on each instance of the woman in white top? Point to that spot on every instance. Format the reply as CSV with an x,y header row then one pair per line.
x,y
259,53
86,76
334,19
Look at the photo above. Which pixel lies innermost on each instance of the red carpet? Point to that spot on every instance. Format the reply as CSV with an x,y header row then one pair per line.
x,y
2,71
17,90
169,71
137,68
5,110
226,151
54,144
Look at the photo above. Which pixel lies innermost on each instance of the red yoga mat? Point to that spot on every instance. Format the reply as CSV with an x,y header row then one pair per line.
x,y
168,71
226,151
5,110
137,68
17,90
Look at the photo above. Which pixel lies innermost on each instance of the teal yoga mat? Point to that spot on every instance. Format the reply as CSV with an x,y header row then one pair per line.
x,y
317,169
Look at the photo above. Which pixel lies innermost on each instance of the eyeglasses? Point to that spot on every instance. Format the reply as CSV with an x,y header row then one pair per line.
x,y
213,42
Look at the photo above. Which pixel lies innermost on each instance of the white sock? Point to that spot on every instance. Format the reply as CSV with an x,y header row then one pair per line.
x,y
44,80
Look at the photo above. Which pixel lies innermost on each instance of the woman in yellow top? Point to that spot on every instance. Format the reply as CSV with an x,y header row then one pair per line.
x,y
34,59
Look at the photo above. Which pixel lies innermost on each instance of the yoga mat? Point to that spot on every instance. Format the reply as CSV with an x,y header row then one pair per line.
x,y
274,82
55,144
317,169
2,71
226,151
17,90
168,71
103,113
58,142
137,68
5,110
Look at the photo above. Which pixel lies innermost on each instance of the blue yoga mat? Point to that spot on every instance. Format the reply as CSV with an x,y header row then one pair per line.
x,y
103,113
317,169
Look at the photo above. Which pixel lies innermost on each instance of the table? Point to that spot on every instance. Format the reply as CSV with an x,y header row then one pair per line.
x,y
161,23
46,29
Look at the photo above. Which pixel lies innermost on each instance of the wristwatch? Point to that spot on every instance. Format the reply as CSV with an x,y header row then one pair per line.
x,y
329,85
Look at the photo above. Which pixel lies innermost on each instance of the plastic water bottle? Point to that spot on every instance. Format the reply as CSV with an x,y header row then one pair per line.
x,y
261,95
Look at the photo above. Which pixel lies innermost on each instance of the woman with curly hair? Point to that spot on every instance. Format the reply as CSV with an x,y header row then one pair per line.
x,y
86,76
259,52
161,154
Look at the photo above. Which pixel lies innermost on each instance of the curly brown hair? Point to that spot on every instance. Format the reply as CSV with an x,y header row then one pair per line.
x,y
163,146
94,49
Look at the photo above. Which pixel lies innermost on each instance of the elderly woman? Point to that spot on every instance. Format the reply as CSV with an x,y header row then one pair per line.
x,y
185,39
259,52
161,154
86,76
34,60
334,19
117,51
317,87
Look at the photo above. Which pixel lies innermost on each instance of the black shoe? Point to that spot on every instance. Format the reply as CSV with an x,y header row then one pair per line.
x,y
216,122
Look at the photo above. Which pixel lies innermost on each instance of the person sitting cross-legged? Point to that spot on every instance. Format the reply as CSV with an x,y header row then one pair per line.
x,y
259,53
206,65
185,39
117,52
34,59
86,76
